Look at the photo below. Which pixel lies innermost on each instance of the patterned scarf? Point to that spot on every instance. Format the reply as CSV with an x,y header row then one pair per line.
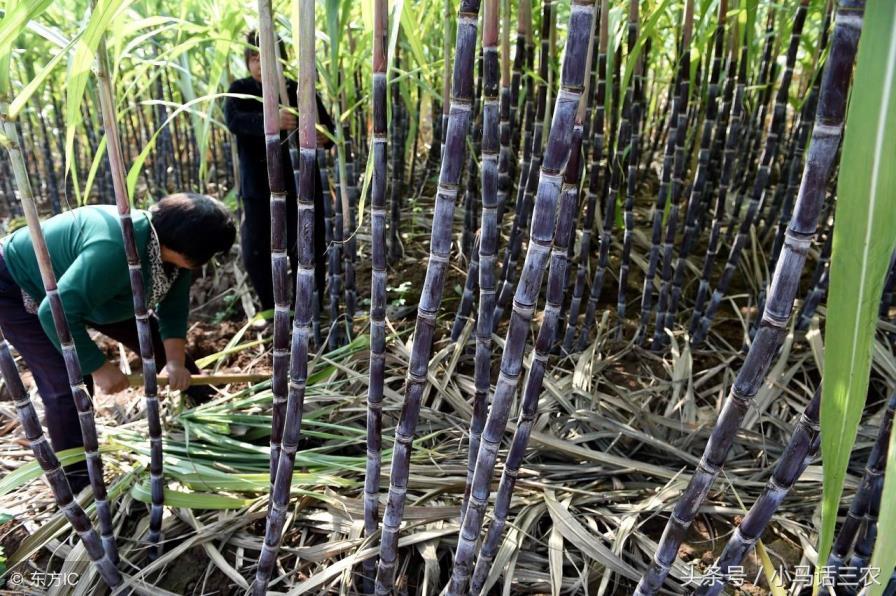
x,y
162,277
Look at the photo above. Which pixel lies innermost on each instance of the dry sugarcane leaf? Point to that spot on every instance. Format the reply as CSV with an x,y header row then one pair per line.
x,y
311,584
555,560
589,544
213,553
427,551
516,533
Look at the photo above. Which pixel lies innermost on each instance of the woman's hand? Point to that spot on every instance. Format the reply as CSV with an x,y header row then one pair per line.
x,y
109,378
287,120
178,376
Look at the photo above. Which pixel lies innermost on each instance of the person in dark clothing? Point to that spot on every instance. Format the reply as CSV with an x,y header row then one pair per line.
x,y
245,119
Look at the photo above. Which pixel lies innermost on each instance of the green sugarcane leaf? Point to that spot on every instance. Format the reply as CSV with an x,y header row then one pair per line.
x,y
863,242
25,94
176,498
410,23
15,19
884,556
79,69
28,472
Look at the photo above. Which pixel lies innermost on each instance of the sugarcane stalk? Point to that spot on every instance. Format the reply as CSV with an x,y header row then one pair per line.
x,y
431,297
528,184
746,163
595,168
352,193
763,175
826,137
488,235
671,179
471,287
80,395
631,112
703,158
504,156
337,262
609,192
53,471
135,269
794,170
522,50
547,333
863,507
544,219
819,283
800,451
378,279
270,83
301,330
732,139
396,190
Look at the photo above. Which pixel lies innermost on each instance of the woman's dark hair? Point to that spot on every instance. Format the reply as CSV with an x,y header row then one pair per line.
x,y
252,46
197,226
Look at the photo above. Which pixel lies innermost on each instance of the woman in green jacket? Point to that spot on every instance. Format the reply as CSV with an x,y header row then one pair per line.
x,y
179,233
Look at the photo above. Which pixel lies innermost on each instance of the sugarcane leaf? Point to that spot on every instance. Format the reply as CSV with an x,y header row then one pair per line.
x,y
51,34
555,560
94,166
79,69
410,24
25,94
176,498
16,18
585,540
28,472
137,165
771,574
884,556
863,242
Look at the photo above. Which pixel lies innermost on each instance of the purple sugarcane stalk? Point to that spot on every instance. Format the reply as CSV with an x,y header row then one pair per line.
x,y
471,286
826,137
595,168
529,183
632,139
101,549
377,288
547,333
732,139
272,82
677,188
135,270
761,181
524,303
694,203
866,503
304,291
488,235
800,451
677,116
53,471
440,249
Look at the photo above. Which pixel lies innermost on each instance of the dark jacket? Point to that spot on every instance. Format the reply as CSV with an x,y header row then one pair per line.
x,y
245,119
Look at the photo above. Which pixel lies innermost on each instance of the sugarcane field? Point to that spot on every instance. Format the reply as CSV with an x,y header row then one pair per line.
x,y
437,297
